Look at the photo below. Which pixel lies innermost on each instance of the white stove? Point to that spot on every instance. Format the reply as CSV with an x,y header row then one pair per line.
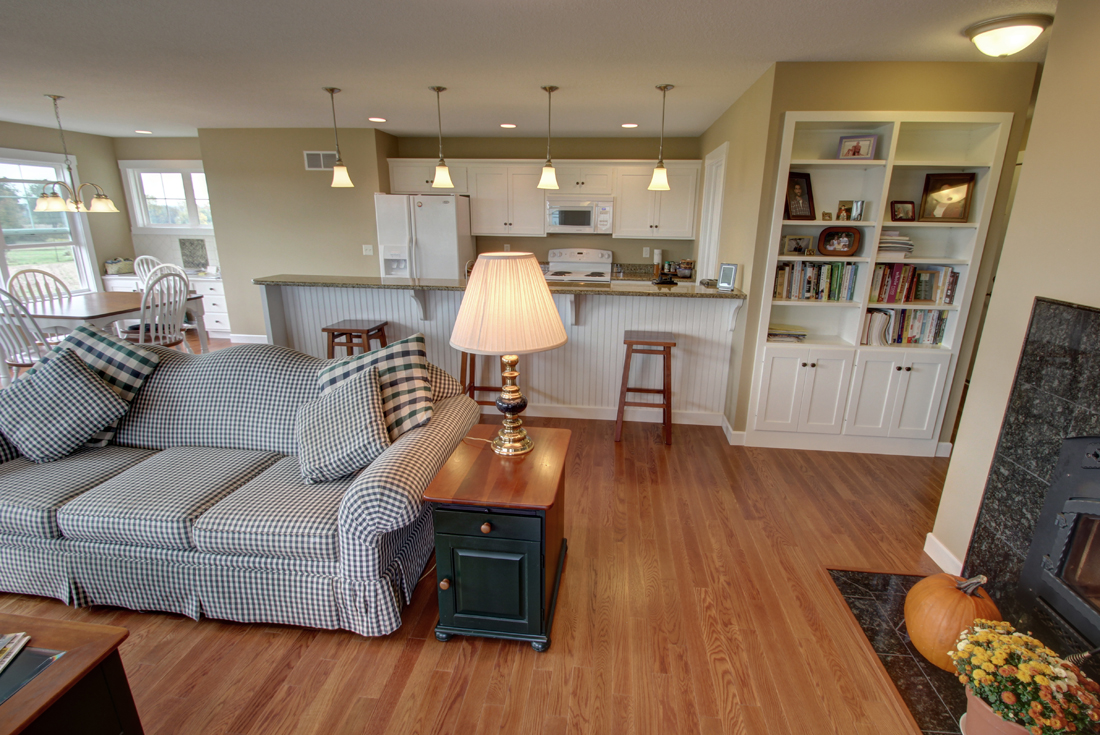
x,y
579,265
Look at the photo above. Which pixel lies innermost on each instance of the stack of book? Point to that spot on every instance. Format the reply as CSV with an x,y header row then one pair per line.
x,y
10,646
892,241
802,280
786,333
909,284
904,327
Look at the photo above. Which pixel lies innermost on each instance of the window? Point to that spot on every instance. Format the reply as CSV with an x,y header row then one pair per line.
x,y
167,197
51,241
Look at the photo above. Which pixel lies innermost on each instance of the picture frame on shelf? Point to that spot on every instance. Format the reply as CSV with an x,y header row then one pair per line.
x,y
857,146
799,203
840,242
796,245
826,216
727,276
947,197
850,210
903,211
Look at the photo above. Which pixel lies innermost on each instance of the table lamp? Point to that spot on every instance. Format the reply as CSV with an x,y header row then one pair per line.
x,y
507,310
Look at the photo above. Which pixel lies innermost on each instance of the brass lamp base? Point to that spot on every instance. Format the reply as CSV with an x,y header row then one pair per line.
x,y
512,439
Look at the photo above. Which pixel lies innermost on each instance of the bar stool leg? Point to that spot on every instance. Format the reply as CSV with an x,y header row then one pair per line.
x,y
622,394
331,346
668,395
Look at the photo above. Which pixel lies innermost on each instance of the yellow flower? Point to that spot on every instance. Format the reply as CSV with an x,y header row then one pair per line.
x,y
1042,680
987,666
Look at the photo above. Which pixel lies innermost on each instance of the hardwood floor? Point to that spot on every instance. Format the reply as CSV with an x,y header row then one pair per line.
x,y
694,600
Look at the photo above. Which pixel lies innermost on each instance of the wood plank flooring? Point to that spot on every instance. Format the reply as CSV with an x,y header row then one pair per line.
x,y
694,600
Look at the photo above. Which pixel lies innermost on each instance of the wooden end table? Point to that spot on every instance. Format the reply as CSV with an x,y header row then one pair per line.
x,y
498,520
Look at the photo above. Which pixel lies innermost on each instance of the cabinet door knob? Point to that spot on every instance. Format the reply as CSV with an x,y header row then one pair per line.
x,y
803,364
898,368
486,527
908,369
813,364
576,183
444,584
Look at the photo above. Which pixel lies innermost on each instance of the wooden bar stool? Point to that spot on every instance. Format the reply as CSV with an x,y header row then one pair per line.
x,y
468,379
352,333
637,343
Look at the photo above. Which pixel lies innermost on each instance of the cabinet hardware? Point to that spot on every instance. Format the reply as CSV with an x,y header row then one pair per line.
x,y
803,364
486,527
908,369
813,364
445,584
898,368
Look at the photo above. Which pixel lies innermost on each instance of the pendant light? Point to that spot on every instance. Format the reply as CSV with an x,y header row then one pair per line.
x,y
51,201
659,182
549,179
1009,34
442,173
340,178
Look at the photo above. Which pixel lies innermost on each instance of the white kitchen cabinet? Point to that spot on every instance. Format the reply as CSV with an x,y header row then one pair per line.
x,y
804,389
506,200
676,207
896,393
665,215
633,204
590,180
416,177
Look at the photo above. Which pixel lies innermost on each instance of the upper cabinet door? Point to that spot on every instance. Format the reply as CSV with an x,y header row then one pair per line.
x,y
528,202
489,200
634,204
827,380
676,207
871,406
595,180
570,180
417,177
917,406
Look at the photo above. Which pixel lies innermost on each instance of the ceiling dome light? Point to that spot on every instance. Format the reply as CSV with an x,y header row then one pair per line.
x,y
144,132
377,119
630,125
1009,34
507,125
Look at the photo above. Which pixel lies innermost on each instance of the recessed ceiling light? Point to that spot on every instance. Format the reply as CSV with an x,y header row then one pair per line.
x,y
630,125
507,125
144,132
1008,35
377,119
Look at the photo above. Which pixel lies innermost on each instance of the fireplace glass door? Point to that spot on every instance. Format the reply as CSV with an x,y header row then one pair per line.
x,y
1082,569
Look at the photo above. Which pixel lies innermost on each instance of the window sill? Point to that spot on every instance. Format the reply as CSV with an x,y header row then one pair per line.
x,y
177,231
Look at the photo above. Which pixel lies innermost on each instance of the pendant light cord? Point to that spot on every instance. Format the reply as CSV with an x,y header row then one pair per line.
x,y
661,150
335,131
439,118
64,147
549,104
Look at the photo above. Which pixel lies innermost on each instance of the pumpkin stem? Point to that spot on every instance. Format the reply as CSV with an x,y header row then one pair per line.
x,y
970,586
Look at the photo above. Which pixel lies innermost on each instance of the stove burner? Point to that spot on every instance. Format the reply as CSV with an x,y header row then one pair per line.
x,y
594,274
560,273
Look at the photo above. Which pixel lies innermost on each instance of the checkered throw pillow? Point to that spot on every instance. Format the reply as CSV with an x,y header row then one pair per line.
x,y
49,414
343,430
121,365
402,378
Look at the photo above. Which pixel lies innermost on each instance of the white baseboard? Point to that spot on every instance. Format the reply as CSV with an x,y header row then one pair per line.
x,y
946,561
735,438
251,339
943,449
644,415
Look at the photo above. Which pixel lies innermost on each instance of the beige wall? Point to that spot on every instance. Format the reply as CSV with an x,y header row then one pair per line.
x,y
596,148
157,149
623,250
95,161
274,217
1049,251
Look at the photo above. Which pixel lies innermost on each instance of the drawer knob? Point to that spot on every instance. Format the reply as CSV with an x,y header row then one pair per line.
x,y
444,584
486,527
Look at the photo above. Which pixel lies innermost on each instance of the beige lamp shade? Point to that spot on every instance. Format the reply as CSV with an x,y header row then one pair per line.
x,y
507,308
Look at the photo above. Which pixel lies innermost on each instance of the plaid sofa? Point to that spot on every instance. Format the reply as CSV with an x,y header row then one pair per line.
x,y
198,506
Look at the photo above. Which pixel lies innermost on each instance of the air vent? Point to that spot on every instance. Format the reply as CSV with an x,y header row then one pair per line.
x,y
320,160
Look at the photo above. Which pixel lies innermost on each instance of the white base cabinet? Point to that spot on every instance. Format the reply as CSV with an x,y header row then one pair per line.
x,y
897,393
804,389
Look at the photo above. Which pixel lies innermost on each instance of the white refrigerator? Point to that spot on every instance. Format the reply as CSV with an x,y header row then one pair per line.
x,y
424,236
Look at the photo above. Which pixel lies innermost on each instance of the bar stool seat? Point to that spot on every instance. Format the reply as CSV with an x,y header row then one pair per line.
x,y
468,380
647,343
353,333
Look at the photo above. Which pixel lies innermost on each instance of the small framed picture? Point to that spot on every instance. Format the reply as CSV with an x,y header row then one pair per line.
x,y
903,211
946,197
928,284
850,209
857,146
796,245
826,216
727,276
800,198
838,241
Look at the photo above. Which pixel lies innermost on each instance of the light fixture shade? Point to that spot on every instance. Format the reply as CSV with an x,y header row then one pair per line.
x,y
507,308
102,203
442,178
73,206
44,203
340,178
549,178
659,182
1008,35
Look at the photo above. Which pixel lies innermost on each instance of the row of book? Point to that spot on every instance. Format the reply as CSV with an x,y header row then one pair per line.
x,y
802,280
897,283
904,327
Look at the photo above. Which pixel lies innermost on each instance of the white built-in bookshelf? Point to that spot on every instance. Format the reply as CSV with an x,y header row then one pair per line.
x,y
831,391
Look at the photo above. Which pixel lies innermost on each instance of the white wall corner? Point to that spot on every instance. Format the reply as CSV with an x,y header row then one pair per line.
x,y
735,438
940,554
943,449
252,339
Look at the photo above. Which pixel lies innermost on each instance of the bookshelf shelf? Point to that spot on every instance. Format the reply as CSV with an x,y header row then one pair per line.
x,y
814,340
820,259
817,302
911,305
940,225
829,223
922,261
942,164
838,163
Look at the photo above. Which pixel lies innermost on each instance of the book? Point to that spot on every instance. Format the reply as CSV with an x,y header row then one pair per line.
x,y
952,284
10,646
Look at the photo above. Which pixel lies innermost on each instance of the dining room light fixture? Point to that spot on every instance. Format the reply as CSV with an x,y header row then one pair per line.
x,y
1009,34
659,182
340,178
442,178
51,201
549,178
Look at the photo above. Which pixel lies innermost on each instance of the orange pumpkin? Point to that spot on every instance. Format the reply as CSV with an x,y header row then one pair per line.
x,y
940,607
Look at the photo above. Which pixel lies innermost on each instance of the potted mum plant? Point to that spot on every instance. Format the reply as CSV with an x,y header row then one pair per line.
x,y
1015,684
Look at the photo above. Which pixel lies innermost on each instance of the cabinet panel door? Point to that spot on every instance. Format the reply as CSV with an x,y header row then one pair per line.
x,y
595,180
917,405
828,378
569,180
528,210
634,205
874,386
495,584
781,389
488,200
676,207
411,178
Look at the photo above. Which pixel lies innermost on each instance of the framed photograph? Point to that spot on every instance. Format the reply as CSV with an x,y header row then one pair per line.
x,y
928,283
946,197
857,146
850,209
903,211
826,216
800,197
840,242
796,245
727,276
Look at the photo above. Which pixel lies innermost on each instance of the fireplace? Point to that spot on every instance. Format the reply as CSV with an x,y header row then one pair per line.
x,y
1063,564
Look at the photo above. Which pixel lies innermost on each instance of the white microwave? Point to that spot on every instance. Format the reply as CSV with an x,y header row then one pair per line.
x,y
578,215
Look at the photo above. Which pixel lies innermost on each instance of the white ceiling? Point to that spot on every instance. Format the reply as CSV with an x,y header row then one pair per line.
x,y
175,66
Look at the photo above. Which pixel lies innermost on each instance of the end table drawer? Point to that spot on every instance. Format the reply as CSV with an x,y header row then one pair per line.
x,y
528,528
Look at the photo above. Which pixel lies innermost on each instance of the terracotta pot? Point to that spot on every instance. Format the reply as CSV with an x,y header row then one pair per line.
x,y
982,720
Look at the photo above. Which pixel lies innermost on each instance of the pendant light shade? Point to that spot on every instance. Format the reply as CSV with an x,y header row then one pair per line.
x,y
51,201
549,178
659,182
340,178
442,178
1009,34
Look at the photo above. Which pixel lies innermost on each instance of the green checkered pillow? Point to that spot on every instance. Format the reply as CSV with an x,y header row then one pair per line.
x,y
402,378
342,431
122,366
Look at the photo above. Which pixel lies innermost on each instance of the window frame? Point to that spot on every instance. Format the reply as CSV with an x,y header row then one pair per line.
x,y
135,196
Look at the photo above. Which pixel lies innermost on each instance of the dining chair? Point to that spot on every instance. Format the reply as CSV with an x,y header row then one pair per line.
x,y
162,308
22,341
39,285
143,266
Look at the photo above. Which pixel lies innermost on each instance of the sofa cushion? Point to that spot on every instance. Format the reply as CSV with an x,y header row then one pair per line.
x,y
52,412
342,431
402,377
30,494
157,502
275,515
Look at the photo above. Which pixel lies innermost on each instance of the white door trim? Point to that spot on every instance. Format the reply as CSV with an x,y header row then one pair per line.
x,y
710,230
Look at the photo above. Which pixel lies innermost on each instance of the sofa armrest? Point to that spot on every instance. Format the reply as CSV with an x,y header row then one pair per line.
x,y
388,494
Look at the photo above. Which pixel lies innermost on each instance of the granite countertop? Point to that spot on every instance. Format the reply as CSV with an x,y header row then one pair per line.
x,y
615,288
